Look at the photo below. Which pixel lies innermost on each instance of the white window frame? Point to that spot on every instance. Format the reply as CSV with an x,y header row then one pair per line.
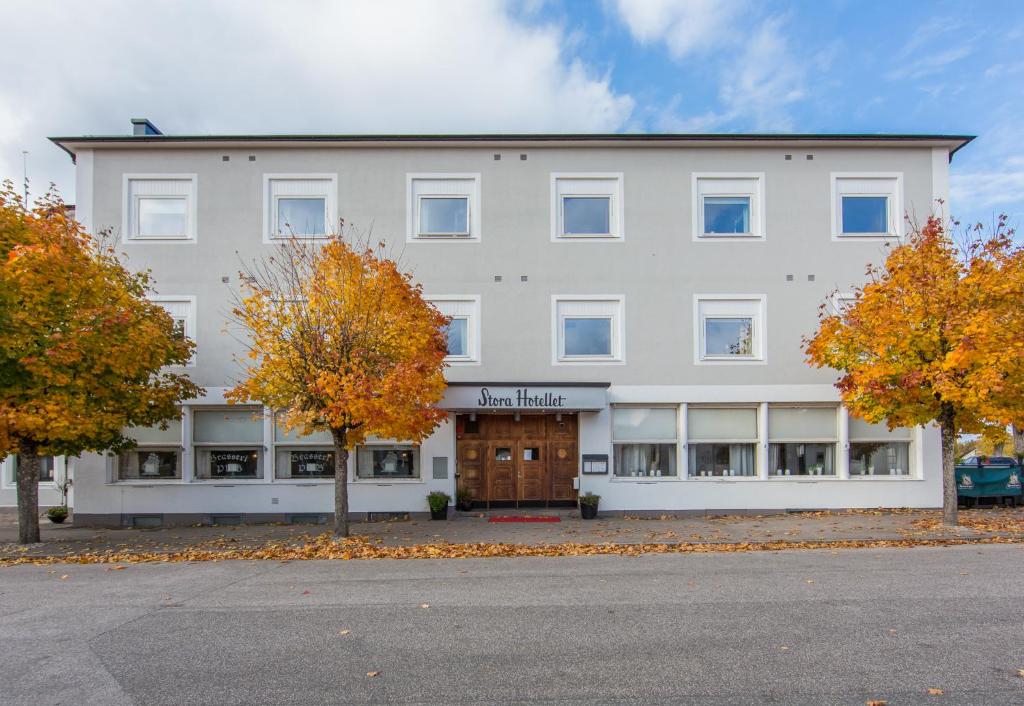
x,y
189,318
8,479
756,441
747,306
445,303
194,447
182,449
329,193
470,191
302,443
678,442
724,184
838,301
834,441
616,304
913,460
889,184
374,442
130,207
593,184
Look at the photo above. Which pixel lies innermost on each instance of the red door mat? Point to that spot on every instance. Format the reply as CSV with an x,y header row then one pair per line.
x,y
524,518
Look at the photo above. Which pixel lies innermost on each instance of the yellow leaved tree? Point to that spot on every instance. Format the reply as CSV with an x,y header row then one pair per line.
x,y
341,341
934,336
83,352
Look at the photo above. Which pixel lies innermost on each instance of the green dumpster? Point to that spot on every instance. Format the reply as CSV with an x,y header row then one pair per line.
x,y
988,482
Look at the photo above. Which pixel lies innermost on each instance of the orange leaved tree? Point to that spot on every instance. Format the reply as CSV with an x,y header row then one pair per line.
x,y
935,336
341,341
82,350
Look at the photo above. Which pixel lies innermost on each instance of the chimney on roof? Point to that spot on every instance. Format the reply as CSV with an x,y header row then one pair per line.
x,y
142,127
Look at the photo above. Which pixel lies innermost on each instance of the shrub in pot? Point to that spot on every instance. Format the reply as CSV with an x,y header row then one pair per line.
x,y
464,500
438,503
57,514
588,506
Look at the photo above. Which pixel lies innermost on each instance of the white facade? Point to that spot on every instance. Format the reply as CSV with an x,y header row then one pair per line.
x,y
659,288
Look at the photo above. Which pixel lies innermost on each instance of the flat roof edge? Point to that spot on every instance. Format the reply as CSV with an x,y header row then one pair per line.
x,y
68,143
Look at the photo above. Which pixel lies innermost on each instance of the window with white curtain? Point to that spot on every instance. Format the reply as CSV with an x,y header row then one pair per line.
x,y
722,441
298,456
156,456
463,331
299,205
48,470
876,451
586,206
443,207
728,205
587,329
802,441
645,441
228,443
159,207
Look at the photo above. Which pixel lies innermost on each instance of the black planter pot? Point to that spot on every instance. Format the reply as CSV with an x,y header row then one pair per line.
x,y
441,514
588,511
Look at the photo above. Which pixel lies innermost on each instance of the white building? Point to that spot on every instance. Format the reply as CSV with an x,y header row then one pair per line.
x,y
628,315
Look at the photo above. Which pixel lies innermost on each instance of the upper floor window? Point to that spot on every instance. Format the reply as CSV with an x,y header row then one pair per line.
x,y
729,328
299,205
867,205
444,206
587,329
728,205
463,331
586,206
183,310
159,207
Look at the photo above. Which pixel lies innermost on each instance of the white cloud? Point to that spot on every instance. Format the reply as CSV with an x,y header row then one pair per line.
x,y
684,26
765,80
313,66
1001,186
755,87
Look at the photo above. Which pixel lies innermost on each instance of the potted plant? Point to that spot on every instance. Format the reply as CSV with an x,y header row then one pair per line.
x,y
464,500
588,506
57,514
438,503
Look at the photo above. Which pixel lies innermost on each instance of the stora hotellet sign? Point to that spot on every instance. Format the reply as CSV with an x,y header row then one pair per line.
x,y
526,397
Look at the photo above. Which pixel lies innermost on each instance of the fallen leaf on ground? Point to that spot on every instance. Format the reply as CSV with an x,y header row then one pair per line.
x,y
876,702
424,605
935,692
372,674
344,632
63,577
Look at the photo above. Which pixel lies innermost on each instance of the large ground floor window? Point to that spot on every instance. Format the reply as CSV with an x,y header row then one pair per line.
x,y
722,460
802,440
229,443
388,461
796,459
879,458
645,440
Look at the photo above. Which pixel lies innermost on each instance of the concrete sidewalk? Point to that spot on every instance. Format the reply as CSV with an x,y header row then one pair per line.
x,y
472,528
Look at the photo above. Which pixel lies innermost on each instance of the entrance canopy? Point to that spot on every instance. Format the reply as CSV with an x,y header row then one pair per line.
x,y
526,397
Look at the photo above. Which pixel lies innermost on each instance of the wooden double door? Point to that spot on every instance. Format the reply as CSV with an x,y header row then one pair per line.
x,y
532,459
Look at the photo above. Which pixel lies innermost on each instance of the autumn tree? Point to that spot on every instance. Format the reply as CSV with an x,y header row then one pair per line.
x,y
83,352
934,336
340,340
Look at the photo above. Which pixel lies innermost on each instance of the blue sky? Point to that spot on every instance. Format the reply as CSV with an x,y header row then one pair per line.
x,y
523,66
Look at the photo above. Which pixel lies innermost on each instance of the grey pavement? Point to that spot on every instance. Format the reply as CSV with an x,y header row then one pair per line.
x,y
474,527
792,627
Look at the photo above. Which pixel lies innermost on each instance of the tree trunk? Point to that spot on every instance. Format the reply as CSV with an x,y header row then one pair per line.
x,y
1018,442
28,495
340,482
947,426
